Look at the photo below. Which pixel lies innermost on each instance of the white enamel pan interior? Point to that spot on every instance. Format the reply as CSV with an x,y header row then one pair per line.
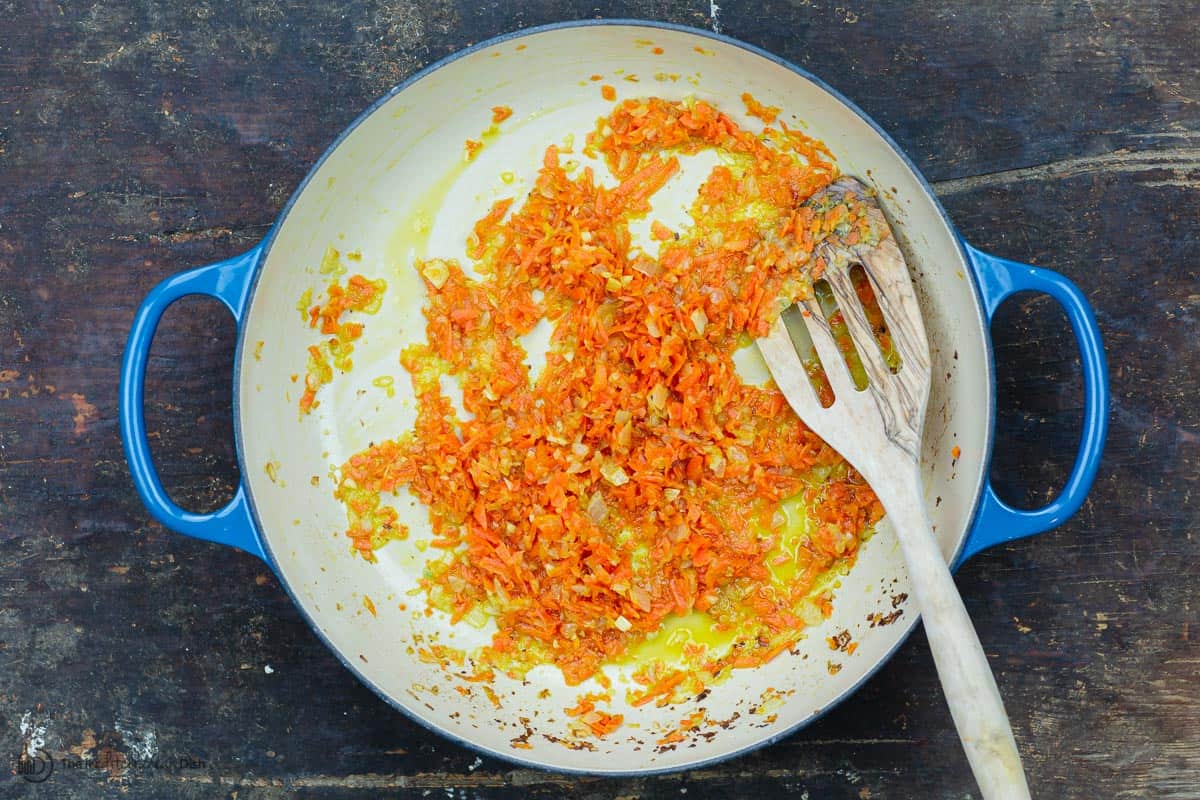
x,y
396,187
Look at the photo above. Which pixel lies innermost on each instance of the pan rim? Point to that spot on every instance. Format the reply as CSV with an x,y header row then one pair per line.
x,y
240,350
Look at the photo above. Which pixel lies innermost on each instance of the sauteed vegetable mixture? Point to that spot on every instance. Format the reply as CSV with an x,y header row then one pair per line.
x,y
636,483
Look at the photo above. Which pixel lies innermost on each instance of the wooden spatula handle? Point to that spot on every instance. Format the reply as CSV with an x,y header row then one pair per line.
x,y
967,679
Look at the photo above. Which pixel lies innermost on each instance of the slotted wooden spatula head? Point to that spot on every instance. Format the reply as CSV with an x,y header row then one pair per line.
x,y
890,411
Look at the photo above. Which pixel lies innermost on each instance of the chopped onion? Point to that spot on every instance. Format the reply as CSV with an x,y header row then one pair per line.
x,y
436,272
810,613
625,435
648,267
657,397
597,509
613,473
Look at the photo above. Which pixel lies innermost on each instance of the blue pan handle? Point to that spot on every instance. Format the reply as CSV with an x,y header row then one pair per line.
x,y
996,521
228,281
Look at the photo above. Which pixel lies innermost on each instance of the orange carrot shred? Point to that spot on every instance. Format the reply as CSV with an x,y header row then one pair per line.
x,y
756,109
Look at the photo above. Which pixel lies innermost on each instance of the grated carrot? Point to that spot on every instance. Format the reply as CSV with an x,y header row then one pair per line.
x,y
359,294
637,478
756,109
660,232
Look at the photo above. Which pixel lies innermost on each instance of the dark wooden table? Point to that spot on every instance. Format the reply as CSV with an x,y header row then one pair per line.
x,y
138,139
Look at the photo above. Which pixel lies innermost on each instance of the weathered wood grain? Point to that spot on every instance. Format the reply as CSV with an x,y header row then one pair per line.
x,y
139,139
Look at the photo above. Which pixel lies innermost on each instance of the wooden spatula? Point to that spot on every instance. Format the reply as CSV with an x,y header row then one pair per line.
x,y
878,430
